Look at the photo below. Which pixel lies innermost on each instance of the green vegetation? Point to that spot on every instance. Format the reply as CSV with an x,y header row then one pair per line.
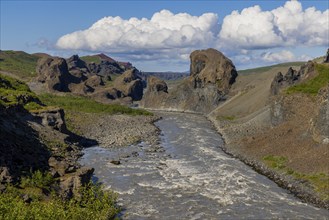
x,y
319,181
18,62
84,104
37,179
226,117
313,85
13,92
91,59
276,162
267,68
93,202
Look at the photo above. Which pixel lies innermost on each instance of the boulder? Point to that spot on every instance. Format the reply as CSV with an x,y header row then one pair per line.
x,y
155,84
71,183
130,84
211,77
105,68
53,71
77,68
87,86
212,67
53,118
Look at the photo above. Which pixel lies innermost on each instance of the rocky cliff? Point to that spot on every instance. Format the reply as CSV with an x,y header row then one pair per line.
x,y
278,123
211,76
90,79
38,140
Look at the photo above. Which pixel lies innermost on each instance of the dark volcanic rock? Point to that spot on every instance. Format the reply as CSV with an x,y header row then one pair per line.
x,y
53,118
53,71
105,68
326,58
276,83
130,84
292,77
156,85
77,67
211,76
212,67
70,184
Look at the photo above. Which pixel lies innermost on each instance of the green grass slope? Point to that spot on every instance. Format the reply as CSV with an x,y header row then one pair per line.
x,y
91,59
87,105
15,92
267,68
313,85
18,63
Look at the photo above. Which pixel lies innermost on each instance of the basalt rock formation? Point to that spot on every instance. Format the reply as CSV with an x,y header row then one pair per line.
x,y
292,77
38,141
53,71
211,76
76,76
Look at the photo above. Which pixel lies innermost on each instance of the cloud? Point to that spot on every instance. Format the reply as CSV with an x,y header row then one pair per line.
x,y
246,35
282,56
162,32
288,25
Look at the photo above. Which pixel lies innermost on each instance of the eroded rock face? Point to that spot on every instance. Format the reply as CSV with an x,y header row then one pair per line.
x,y
130,84
212,67
53,118
321,121
77,67
70,184
156,85
53,71
211,76
292,77
326,58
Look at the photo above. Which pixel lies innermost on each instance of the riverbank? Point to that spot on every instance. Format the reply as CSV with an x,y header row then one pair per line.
x,y
116,130
190,177
266,161
232,135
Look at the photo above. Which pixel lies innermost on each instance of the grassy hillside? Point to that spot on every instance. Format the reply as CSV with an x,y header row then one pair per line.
x,y
84,104
19,63
91,59
313,86
267,68
14,92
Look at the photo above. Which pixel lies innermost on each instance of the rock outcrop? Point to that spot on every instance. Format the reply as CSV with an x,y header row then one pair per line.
x,y
319,124
77,67
130,84
156,85
211,76
53,71
292,77
212,67
326,58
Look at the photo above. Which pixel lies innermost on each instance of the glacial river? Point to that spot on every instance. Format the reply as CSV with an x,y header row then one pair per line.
x,y
190,177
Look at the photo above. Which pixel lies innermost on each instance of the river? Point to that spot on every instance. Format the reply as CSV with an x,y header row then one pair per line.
x,y
189,177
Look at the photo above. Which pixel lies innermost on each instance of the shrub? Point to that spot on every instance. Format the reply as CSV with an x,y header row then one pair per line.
x,y
94,203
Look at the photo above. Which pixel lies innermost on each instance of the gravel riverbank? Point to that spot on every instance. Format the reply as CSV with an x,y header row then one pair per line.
x,y
116,130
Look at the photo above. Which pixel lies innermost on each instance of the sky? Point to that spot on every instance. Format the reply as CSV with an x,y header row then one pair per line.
x,y
159,35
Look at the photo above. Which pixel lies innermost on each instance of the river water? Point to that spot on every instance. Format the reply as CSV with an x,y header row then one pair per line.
x,y
189,177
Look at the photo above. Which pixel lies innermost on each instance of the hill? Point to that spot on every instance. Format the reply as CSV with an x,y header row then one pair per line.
x,y
18,63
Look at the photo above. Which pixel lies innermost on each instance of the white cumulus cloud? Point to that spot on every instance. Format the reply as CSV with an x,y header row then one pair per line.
x,y
163,31
281,56
288,25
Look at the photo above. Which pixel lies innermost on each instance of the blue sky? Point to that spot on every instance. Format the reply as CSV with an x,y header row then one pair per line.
x,y
274,32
